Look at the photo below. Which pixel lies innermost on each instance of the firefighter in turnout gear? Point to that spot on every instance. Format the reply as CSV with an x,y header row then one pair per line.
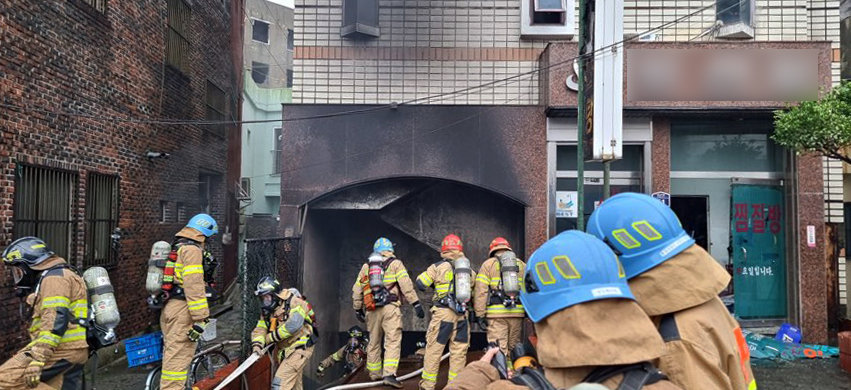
x,y
186,313
677,284
55,357
377,294
589,328
285,321
353,354
496,296
451,278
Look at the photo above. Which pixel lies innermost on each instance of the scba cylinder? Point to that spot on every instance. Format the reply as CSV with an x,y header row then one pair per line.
x,y
376,271
156,264
463,280
509,269
102,297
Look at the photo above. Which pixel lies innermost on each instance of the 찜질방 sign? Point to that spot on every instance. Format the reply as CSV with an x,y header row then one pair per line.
x,y
566,206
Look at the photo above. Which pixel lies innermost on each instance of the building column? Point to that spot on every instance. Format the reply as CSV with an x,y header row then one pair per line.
x,y
812,278
661,154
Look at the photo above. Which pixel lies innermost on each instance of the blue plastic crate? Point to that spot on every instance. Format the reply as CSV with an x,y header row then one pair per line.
x,y
144,341
144,356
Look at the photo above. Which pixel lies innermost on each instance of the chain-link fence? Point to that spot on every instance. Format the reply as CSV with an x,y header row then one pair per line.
x,y
278,257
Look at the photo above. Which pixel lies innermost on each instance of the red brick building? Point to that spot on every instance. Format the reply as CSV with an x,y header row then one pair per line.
x,y
73,167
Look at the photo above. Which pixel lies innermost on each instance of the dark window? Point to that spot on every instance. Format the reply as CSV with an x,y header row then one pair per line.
x,y
44,200
216,102
279,143
165,212
205,192
290,39
98,5
101,219
731,12
259,72
289,78
360,19
259,31
181,212
548,12
177,44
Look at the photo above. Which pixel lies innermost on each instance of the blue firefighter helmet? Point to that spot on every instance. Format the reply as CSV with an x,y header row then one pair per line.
x,y
381,245
571,268
204,224
642,229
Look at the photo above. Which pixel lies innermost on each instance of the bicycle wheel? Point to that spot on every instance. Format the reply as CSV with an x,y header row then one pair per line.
x,y
153,380
206,365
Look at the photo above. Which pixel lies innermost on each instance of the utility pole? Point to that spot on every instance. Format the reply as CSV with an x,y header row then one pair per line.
x,y
607,168
580,118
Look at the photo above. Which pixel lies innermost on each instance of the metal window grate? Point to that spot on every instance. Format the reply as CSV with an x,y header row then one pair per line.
x,y
44,200
99,5
101,219
216,102
177,45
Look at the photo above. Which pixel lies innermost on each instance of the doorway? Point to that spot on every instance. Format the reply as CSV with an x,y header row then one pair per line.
x,y
693,212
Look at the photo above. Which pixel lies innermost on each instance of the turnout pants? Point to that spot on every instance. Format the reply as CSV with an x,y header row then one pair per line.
x,y
384,321
446,327
64,371
178,350
506,332
289,374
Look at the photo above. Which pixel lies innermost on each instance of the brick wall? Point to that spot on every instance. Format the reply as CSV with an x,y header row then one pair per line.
x,y
63,56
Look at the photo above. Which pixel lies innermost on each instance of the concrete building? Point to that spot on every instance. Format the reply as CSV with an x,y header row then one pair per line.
x,y
267,80
415,136
83,149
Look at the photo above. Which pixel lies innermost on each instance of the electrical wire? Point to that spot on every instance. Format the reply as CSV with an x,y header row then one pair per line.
x,y
422,100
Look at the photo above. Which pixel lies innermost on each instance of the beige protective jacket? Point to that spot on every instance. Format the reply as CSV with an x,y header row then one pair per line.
x,y
396,280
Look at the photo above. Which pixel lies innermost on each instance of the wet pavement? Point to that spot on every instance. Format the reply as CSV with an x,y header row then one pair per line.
x,y
801,374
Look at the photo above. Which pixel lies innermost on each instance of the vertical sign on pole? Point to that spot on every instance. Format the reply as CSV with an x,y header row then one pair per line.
x,y
604,87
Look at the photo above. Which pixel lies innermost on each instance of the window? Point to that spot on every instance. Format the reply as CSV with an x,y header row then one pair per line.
x,y
289,78
101,219
205,192
736,17
177,44
360,19
244,189
165,212
290,40
216,102
549,12
181,212
259,31
98,5
279,143
547,19
259,72
44,200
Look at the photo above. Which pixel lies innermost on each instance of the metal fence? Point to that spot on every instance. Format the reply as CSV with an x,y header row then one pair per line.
x,y
279,257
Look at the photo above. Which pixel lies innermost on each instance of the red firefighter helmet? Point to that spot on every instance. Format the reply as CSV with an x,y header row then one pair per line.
x,y
498,243
451,242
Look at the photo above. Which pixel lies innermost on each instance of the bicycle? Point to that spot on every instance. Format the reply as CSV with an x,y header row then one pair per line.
x,y
204,365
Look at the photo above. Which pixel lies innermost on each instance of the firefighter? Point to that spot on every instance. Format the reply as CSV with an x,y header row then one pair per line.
x,y
353,353
589,328
498,283
57,295
677,284
451,277
385,278
186,313
285,321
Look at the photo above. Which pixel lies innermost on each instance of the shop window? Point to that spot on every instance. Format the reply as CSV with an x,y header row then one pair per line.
x,y
737,146
259,72
101,219
177,43
360,19
259,31
44,200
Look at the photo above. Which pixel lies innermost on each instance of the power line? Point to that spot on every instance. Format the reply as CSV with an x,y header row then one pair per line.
x,y
484,86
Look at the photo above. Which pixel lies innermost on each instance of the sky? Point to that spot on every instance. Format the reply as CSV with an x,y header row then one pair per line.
x,y
285,3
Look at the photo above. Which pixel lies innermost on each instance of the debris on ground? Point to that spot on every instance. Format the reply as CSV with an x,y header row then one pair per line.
x,y
763,347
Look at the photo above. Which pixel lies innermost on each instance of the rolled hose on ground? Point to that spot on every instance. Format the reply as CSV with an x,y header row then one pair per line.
x,y
365,385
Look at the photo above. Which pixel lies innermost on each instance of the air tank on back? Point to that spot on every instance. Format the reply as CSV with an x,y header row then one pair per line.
x,y
156,264
102,297
376,271
509,270
463,280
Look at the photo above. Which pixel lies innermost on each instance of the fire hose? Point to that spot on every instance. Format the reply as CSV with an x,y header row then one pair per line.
x,y
365,385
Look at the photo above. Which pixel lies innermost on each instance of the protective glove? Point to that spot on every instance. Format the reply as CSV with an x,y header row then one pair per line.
x,y
197,330
32,374
483,323
419,309
360,315
320,371
257,347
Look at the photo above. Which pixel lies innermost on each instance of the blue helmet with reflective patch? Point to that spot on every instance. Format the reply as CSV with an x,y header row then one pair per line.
x,y
204,224
571,268
381,245
641,228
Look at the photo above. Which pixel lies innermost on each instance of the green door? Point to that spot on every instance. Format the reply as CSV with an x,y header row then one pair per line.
x,y
758,243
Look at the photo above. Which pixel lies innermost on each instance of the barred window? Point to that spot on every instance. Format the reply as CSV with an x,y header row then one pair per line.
x,y
101,219
216,102
44,200
177,44
98,5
